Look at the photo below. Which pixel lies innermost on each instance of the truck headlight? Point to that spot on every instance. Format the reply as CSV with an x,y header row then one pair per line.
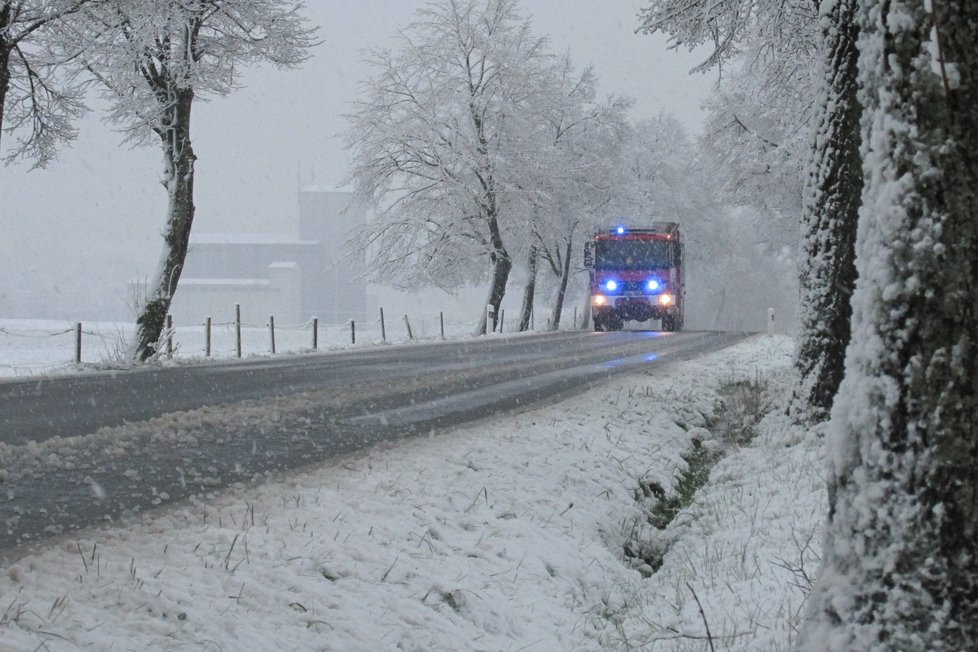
x,y
666,299
600,300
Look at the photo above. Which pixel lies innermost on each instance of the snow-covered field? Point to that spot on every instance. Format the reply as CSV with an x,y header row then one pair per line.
x,y
36,346
505,535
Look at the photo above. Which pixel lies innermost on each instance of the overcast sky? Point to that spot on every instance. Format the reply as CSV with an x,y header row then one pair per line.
x,y
75,233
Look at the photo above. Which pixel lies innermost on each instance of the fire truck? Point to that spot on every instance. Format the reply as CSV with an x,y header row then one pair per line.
x,y
636,274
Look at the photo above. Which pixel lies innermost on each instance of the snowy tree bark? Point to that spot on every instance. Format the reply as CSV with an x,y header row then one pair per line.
x,y
178,179
562,269
899,563
529,291
4,67
502,264
830,217
485,173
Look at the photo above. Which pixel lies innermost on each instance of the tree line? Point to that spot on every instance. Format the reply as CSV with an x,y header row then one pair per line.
x,y
886,349
481,151
484,152
486,156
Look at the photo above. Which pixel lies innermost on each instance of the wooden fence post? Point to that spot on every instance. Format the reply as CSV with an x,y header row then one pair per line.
x,y
78,342
353,332
207,337
237,329
383,331
408,324
315,333
271,332
169,336
441,320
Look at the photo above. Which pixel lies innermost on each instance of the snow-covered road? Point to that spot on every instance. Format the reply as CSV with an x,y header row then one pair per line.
x,y
70,405
299,409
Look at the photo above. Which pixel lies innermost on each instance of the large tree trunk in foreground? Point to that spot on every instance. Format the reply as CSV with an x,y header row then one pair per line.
x,y
831,213
178,178
900,560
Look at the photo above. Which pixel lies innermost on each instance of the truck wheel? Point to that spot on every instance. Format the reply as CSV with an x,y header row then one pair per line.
x,y
615,323
668,323
598,325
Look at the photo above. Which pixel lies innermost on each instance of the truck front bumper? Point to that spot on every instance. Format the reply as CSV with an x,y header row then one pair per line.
x,y
637,308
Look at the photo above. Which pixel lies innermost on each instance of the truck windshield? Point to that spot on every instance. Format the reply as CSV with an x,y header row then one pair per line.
x,y
632,254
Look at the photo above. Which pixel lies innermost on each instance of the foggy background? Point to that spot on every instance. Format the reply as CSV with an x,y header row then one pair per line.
x,y
72,236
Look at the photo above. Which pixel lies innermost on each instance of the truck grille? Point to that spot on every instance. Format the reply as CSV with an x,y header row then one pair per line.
x,y
634,287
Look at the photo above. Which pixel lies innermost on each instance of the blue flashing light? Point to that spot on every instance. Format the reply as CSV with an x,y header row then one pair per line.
x,y
653,285
620,230
611,285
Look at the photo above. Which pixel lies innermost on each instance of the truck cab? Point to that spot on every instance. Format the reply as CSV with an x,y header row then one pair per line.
x,y
636,274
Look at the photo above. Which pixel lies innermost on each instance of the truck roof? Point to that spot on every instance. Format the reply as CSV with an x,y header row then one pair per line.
x,y
654,231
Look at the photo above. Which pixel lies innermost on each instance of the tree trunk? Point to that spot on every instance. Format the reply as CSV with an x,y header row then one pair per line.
x,y
899,560
178,178
501,266
719,311
6,47
829,224
526,313
562,288
4,79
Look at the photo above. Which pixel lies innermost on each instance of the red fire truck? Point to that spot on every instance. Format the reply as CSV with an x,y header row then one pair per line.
x,y
636,274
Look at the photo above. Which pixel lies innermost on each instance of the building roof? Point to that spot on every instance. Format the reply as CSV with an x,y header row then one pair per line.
x,y
225,282
267,239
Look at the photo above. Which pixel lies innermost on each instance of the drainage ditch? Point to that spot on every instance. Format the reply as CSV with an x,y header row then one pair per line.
x,y
648,538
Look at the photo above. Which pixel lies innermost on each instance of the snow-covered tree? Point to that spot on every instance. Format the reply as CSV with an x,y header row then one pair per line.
x,y
581,143
154,58
783,55
763,30
39,95
830,216
736,264
755,147
440,147
661,174
757,128
756,142
899,560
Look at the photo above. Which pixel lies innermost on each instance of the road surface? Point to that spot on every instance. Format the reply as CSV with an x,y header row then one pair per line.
x,y
93,448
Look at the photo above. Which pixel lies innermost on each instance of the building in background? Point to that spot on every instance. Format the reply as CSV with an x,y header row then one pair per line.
x,y
293,276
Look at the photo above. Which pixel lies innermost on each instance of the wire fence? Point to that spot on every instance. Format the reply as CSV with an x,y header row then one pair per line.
x,y
31,347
